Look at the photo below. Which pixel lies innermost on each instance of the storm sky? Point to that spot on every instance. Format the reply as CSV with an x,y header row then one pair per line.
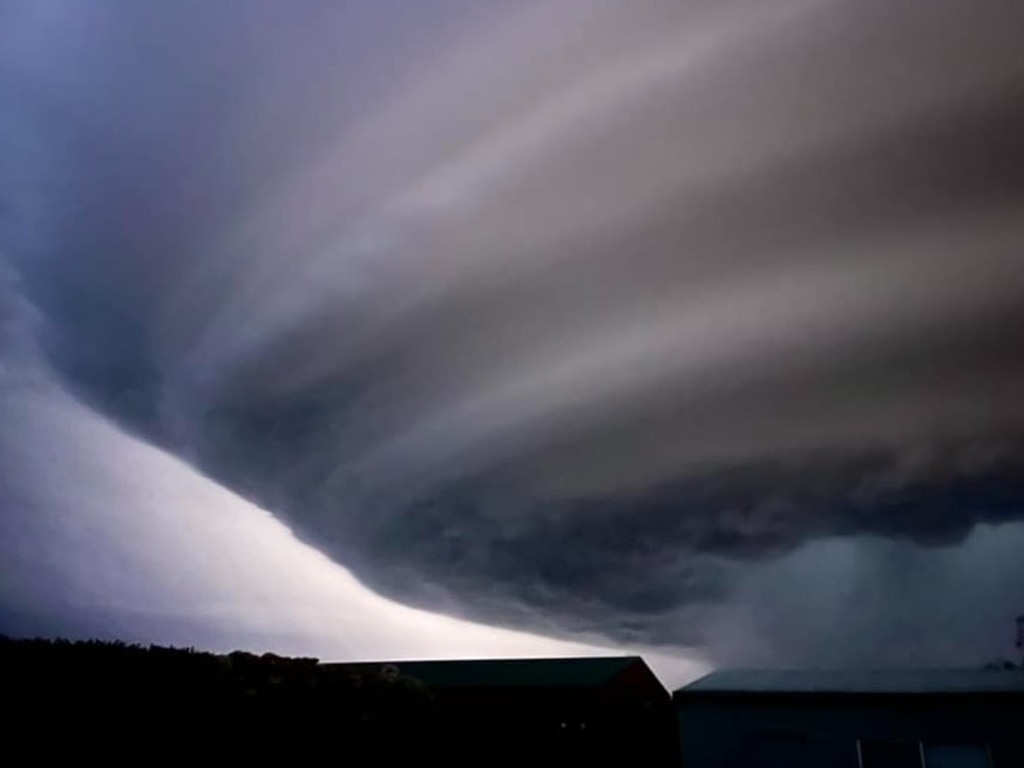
x,y
406,328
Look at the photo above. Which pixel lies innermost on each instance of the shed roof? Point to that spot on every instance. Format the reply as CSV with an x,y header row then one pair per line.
x,y
888,681
517,673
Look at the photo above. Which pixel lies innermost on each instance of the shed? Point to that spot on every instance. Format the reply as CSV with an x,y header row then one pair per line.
x,y
591,711
940,718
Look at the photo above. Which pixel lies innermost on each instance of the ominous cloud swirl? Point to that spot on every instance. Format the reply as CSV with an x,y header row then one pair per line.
x,y
677,323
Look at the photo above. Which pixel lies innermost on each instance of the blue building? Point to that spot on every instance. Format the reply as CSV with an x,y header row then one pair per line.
x,y
844,719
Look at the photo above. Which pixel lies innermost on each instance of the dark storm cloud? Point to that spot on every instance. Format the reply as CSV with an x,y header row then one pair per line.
x,y
570,316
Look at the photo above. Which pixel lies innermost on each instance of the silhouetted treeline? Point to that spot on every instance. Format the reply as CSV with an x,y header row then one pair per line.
x,y
116,700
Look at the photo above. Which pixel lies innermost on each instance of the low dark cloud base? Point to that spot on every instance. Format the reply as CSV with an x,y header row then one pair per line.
x,y
599,408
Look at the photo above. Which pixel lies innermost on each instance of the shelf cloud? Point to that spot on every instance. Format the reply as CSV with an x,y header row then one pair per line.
x,y
674,324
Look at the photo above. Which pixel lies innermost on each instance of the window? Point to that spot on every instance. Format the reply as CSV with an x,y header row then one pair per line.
x,y
956,756
889,754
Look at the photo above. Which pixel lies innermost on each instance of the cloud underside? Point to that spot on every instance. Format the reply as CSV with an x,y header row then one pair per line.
x,y
655,301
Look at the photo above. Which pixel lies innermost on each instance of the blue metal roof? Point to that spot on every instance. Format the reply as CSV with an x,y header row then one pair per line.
x,y
887,681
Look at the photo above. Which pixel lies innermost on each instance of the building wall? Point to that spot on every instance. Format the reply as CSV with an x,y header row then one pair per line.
x,y
520,727
770,731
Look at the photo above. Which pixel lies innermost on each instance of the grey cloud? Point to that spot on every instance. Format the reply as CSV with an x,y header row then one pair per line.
x,y
660,560
655,299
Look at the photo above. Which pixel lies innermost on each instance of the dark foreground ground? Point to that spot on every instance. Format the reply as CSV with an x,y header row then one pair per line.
x,y
125,702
